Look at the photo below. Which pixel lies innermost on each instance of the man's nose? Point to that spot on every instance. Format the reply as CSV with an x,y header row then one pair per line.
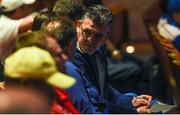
x,y
90,38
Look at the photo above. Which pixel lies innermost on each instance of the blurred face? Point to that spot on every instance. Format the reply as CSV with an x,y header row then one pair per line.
x,y
57,52
69,51
15,96
71,48
91,36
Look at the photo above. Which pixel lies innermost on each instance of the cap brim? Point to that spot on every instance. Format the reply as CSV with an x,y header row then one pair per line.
x,y
29,1
61,80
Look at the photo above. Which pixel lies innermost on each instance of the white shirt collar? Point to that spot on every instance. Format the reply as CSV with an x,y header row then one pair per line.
x,y
77,46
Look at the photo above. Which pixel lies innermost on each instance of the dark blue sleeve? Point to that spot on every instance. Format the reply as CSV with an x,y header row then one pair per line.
x,y
78,93
80,100
120,103
176,42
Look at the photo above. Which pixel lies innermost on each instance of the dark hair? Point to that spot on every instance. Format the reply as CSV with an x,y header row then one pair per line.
x,y
88,3
31,38
73,9
42,17
163,5
64,32
99,14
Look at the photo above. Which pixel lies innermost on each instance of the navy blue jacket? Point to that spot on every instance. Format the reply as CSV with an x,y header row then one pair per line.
x,y
85,94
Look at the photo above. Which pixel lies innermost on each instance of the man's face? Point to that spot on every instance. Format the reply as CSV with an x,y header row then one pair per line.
x,y
57,52
90,36
71,47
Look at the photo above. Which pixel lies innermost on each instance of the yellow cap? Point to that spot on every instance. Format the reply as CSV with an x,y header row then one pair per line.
x,y
33,62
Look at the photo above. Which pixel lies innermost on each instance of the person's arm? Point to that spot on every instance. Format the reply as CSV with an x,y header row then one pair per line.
x,y
26,23
78,93
120,103
81,101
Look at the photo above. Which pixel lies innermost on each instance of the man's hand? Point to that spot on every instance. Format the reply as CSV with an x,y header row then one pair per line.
x,y
143,110
142,100
142,103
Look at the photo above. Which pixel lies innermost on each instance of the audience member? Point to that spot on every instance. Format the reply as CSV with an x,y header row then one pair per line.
x,y
13,22
36,68
169,23
95,94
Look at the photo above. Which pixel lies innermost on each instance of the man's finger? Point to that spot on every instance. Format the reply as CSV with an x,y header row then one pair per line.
x,y
147,97
143,110
140,102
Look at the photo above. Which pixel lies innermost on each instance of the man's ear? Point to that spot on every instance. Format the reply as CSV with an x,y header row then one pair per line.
x,y
78,25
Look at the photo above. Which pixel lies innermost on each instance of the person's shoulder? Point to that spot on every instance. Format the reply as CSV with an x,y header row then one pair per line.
x,y
4,19
7,23
80,57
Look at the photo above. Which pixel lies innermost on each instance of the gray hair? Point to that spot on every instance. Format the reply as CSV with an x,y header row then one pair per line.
x,y
99,14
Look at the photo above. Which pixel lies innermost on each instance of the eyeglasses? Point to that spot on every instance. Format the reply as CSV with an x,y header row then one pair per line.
x,y
98,37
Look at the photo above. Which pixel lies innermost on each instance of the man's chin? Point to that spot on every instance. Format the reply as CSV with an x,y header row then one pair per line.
x,y
88,52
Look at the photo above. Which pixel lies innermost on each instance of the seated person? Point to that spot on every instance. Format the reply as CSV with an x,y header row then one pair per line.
x,y
33,67
169,23
14,19
95,94
47,42
59,38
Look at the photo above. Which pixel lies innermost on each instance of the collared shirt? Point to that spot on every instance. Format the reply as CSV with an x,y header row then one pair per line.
x,y
77,47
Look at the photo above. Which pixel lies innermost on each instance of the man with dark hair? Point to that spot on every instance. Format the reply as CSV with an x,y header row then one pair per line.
x,y
95,95
42,17
63,30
